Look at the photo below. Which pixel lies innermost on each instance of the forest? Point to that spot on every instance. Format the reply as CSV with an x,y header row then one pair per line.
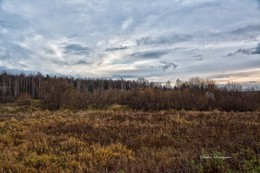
x,y
55,93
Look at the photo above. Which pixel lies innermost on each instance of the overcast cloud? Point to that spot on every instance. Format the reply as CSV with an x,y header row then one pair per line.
x,y
159,40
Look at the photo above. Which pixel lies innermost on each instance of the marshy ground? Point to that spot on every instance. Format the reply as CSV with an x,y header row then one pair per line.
x,y
118,140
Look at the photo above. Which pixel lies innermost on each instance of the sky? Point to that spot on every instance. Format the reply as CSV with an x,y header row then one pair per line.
x,y
160,40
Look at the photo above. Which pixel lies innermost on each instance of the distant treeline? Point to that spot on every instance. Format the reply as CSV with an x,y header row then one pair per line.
x,y
74,93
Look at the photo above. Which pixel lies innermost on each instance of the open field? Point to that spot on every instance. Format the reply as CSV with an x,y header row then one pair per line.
x,y
114,140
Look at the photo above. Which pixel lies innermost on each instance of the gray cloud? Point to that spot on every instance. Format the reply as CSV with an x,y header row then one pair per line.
x,y
23,65
257,49
247,51
60,62
168,39
116,49
246,29
242,51
82,62
49,51
155,54
167,65
76,49
198,57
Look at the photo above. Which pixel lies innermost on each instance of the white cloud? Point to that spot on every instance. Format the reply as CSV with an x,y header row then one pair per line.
x,y
3,30
127,23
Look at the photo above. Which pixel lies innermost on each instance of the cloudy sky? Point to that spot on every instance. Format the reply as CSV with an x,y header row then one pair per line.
x,y
157,39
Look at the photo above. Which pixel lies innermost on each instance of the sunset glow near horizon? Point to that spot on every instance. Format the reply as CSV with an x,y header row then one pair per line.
x,y
159,40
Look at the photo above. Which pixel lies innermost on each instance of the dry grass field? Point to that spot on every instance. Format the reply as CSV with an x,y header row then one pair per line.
x,y
118,140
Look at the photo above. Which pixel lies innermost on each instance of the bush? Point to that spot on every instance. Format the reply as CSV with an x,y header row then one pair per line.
x,y
24,99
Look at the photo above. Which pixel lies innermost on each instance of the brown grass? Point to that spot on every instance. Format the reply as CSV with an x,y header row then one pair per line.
x,y
115,140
